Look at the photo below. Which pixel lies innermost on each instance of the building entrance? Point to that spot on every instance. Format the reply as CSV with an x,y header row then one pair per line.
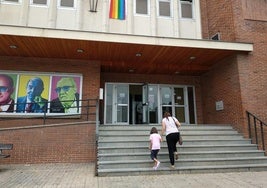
x,y
146,103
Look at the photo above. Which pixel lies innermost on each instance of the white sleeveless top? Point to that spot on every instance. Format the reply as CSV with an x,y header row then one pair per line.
x,y
170,125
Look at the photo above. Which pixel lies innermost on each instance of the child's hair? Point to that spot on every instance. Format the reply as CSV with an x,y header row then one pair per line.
x,y
153,130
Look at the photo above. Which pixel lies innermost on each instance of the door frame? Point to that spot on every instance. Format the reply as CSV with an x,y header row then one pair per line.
x,y
146,103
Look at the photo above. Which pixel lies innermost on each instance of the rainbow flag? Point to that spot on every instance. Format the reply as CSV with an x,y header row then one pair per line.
x,y
117,9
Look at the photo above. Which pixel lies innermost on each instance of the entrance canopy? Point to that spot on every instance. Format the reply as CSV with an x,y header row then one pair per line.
x,y
120,53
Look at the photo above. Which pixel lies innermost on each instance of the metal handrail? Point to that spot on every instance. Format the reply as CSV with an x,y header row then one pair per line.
x,y
254,125
88,108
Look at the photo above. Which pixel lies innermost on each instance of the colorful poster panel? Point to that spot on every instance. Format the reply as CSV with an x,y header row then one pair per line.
x,y
65,94
8,84
33,92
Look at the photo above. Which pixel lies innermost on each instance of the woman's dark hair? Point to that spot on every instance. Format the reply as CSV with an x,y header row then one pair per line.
x,y
153,130
166,115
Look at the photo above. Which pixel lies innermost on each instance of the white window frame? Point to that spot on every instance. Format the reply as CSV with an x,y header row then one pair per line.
x,y
158,8
148,9
40,5
192,6
11,2
64,7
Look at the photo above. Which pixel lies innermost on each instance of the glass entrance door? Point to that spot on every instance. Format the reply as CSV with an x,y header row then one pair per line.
x,y
174,101
150,104
122,104
180,104
145,104
117,104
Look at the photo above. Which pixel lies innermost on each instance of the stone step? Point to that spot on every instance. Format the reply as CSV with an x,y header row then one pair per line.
x,y
123,149
185,137
182,170
148,128
147,132
183,162
182,155
200,142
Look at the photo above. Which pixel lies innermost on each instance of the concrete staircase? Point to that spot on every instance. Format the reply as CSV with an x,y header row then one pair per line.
x,y
123,150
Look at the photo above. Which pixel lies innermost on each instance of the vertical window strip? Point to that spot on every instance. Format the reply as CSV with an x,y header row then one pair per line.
x,y
39,2
11,1
186,8
67,3
164,8
142,7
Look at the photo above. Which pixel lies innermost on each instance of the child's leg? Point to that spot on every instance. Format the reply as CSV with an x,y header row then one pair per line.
x,y
156,161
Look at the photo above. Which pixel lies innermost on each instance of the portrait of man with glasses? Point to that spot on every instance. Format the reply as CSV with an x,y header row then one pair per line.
x,y
32,102
6,91
67,100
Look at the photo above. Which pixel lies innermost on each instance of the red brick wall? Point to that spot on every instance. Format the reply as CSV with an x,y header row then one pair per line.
x,y
253,70
217,16
73,143
222,84
242,81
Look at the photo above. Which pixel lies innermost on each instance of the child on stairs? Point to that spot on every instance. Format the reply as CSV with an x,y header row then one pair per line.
x,y
154,146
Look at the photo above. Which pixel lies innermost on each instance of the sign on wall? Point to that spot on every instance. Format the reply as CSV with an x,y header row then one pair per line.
x,y
29,93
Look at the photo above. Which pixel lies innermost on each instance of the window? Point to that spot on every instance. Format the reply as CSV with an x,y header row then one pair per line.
x,y
11,1
142,7
67,3
39,2
164,8
186,8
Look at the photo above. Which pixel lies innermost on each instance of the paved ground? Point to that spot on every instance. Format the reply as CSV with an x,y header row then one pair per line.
x,y
83,176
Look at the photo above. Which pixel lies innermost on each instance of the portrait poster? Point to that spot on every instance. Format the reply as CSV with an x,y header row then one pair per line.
x,y
14,78
34,92
24,79
56,79
65,94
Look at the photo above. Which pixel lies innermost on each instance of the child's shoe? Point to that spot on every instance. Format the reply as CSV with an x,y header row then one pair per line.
x,y
157,166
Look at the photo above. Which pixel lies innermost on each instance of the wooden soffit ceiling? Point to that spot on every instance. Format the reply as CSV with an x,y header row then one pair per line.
x,y
120,53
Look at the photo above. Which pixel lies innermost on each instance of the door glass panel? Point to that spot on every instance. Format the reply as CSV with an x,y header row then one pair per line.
x,y
179,96
192,119
166,99
122,103
179,104
179,113
153,103
145,104
109,102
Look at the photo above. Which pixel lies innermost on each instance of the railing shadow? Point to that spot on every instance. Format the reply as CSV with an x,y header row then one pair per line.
x,y
256,130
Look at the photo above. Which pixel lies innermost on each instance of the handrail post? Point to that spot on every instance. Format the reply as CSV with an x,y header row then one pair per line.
x,y
262,137
97,117
87,110
97,131
44,117
249,126
255,129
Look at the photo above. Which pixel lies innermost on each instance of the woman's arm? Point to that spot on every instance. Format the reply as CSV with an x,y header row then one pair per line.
x,y
163,129
178,123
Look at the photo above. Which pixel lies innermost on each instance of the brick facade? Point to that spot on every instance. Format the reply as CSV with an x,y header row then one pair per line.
x,y
238,81
73,143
